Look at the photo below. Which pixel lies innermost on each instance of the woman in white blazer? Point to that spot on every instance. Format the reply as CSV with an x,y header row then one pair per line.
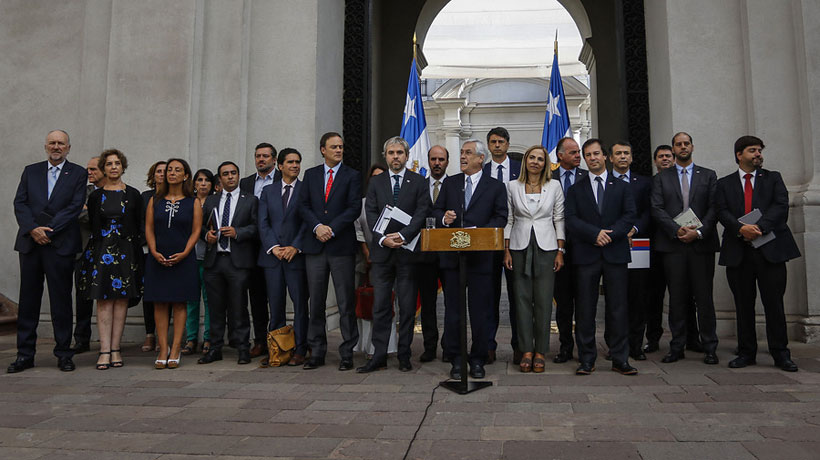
x,y
534,251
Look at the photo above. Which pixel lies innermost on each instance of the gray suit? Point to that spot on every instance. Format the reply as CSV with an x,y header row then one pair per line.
x,y
226,275
395,266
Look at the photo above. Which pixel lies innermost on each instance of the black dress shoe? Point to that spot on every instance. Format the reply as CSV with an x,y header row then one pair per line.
x,y
314,363
427,356
562,357
65,364
710,358
585,369
244,357
346,364
20,364
81,347
695,347
624,368
517,355
787,365
455,371
638,356
405,366
477,371
741,362
371,366
651,347
211,356
673,356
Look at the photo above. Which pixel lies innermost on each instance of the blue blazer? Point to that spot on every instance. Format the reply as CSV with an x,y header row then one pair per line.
x,y
60,212
584,221
343,207
488,208
515,168
279,226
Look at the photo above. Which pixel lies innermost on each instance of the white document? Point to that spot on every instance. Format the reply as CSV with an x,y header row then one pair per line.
x,y
640,253
688,218
751,219
394,213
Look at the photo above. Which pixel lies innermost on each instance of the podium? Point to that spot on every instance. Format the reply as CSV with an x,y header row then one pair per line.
x,y
462,240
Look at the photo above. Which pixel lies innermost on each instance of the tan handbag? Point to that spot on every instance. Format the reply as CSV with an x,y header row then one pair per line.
x,y
281,344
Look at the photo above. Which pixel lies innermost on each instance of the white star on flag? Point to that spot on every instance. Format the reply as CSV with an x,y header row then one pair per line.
x,y
552,107
409,109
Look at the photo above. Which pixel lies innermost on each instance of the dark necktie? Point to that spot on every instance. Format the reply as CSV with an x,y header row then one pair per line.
x,y
499,173
226,217
747,193
286,196
600,194
396,178
567,183
624,178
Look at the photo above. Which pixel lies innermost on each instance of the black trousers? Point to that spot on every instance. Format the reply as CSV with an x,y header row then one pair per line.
x,y
565,304
691,274
84,310
320,267
427,275
258,294
639,301
498,267
43,264
744,280
479,292
587,279
654,311
396,271
227,304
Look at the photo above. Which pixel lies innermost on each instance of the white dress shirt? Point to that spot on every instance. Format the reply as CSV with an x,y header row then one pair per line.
x,y
390,174
594,183
432,185
743,178
234,199
505,169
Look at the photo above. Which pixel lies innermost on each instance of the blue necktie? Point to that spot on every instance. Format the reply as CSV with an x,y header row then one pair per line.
x,y
396,178
600,194
52,179
499,173
567,183
226,216
468,193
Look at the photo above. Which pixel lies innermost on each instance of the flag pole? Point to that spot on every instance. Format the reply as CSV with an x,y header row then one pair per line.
x,y
414,45
556,42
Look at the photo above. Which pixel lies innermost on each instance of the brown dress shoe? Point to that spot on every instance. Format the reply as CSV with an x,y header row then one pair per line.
x,y
258,350
296,360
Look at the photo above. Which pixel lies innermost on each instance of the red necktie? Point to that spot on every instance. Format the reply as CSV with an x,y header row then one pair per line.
x,y
329,184
747,193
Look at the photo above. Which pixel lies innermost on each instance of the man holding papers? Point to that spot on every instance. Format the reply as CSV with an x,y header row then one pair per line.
x,y
396,205
753,206
683,207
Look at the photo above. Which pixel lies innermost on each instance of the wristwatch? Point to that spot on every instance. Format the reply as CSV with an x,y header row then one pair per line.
x,y
562,250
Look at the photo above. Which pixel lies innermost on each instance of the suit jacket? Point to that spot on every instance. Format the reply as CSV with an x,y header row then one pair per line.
x,y
772,199
666,203
585,221
246,183
414,199
244,246
343,206
488,208
515,168
547,219
279,226
60,212
641,188
580,173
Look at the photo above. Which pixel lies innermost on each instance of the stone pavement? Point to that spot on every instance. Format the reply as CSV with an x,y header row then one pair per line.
x,y
686,410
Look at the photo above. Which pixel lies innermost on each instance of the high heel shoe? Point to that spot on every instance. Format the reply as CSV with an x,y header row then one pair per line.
x,y
526,363
117,363
189,347
104,366
539,363
173,363
162,363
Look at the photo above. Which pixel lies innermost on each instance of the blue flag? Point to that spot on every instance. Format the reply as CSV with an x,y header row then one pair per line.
x,y
556,120
414,126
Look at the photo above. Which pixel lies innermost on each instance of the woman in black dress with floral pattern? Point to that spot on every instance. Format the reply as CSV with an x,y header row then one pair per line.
x,y
111,271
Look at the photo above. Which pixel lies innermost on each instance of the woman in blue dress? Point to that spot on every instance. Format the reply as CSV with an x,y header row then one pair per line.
x,y
172,224
111,270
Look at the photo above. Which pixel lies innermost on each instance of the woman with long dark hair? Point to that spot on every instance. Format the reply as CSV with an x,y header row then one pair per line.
x,y
156,176
172,225
203,187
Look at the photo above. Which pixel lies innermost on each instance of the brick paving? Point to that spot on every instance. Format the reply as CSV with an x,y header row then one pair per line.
x,y
686,410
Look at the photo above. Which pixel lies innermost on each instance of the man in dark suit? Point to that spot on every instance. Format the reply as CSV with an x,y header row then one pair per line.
x,y
600,213
48,200
504,169
281,230
330,202
229,228
470,199
688,251
568,172
394,264
640,186
85,307
427,269
754,188
264,157
664,158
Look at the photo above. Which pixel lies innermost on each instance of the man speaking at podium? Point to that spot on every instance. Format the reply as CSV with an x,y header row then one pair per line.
x,y
470,199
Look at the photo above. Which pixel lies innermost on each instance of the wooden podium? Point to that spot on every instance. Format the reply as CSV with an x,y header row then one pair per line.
x,y
462,240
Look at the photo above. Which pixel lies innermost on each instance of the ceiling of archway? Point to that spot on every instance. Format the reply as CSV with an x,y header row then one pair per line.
x,y
495,39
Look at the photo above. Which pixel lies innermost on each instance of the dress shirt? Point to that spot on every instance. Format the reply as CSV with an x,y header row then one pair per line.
x,y
432,185
594,183
51,178
234,199
563,172
327,176
390,174
505,169
743,178
260,182
689,170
